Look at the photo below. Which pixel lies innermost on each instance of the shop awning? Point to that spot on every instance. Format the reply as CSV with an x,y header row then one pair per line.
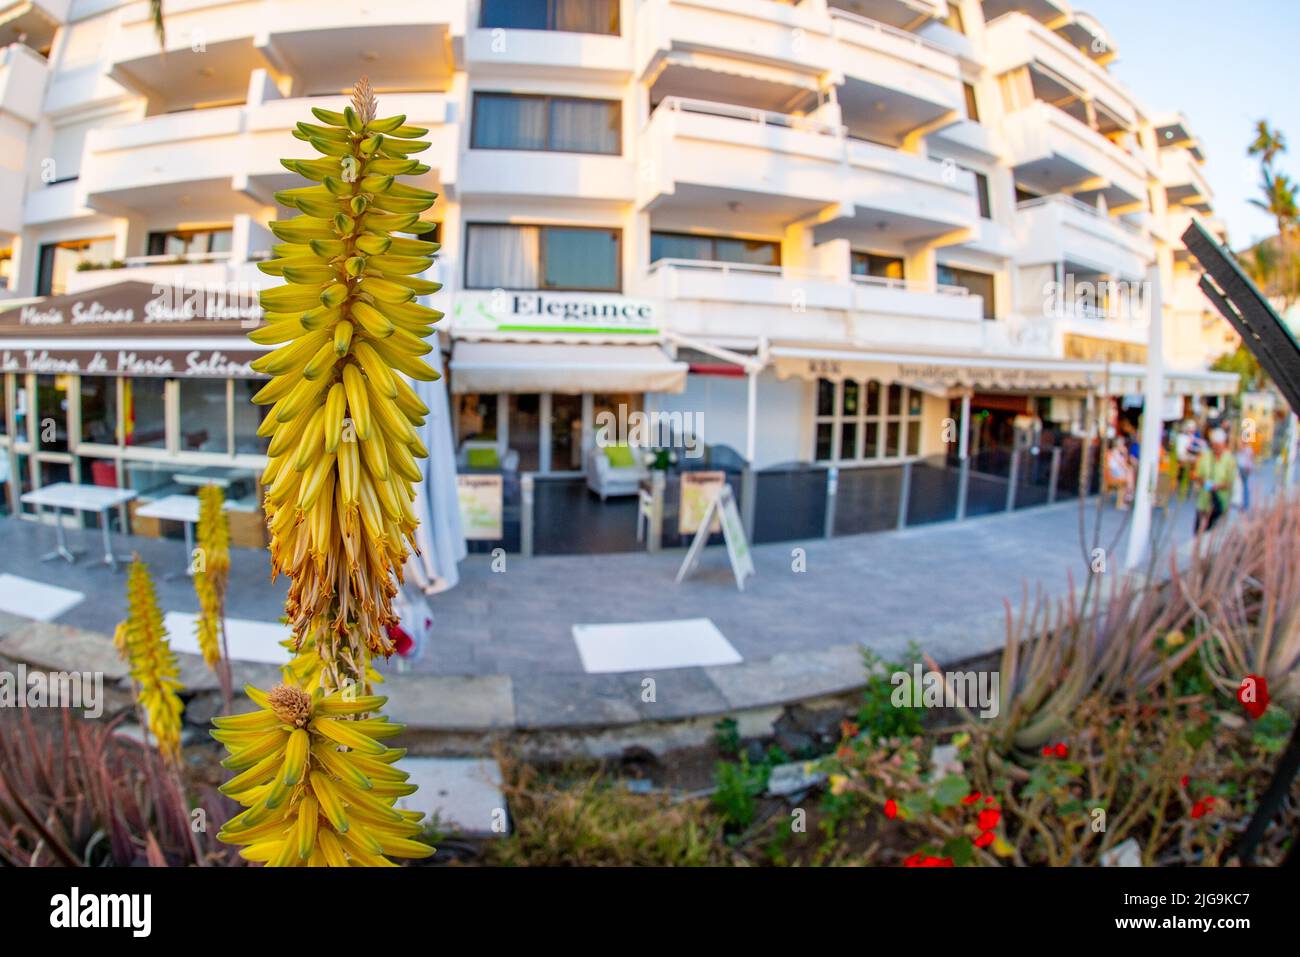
x,y
565,368
1126,379
935,372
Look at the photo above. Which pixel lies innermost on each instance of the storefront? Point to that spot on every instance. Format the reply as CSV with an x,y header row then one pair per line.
x,y
133,386
532,374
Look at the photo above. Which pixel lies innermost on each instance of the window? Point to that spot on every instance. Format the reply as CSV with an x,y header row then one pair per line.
x,y
977,283
190,242
99,410
873,264
476,417
144,412
972,105
559,124
59,259
52,412
203,416
542,257
982,194
570,16
6,269
248,418
862,422
721,249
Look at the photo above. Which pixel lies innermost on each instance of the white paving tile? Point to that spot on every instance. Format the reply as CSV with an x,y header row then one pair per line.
x,y
30,599
248,640
464,794
653,646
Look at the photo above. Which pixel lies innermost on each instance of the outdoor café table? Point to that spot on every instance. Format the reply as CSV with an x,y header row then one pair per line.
x,y
177,508
210,476
79,498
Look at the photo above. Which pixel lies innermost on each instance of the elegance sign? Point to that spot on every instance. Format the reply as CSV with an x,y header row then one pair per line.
x,y
502,310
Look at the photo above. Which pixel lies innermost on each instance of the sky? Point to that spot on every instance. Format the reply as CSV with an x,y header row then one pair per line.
x,y
1224,64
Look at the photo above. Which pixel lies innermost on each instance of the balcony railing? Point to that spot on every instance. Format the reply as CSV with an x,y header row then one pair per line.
x,y
680,104
1071,203
885,29
734,268
911,285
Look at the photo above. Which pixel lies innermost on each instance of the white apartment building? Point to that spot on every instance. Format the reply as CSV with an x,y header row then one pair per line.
x,y
822,227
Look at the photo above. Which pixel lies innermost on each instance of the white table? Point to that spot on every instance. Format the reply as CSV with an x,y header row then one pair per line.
x,y
221,477
79,498
178,508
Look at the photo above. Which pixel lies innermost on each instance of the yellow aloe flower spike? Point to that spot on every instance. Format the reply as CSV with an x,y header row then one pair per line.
x,y
212,572
340,479
317,785
342,460
142,642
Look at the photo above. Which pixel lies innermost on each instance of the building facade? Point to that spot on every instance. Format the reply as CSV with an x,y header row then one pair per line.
x,y
823,229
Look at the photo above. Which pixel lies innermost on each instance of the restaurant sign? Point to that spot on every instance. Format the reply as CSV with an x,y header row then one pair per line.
x,y
939,376
144,363
505,310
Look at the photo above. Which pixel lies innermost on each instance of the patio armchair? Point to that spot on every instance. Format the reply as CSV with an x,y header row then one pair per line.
x,y
615,470
486,455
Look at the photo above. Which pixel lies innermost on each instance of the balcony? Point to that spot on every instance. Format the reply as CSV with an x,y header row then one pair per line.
x,y
210,164
740,302
510,45
38,20
1017,40
1184,179
1061,229
1053,152
761,171
904,14
23,72
893,82
213,46
757,34
210,271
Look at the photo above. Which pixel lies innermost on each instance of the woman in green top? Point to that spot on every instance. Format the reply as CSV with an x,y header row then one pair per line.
x,y
1216,471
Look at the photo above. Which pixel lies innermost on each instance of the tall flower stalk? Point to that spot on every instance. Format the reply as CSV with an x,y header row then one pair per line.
x,y
141,641
318,786
211,582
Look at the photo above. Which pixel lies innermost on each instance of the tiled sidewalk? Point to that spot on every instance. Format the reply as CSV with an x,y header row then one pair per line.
x,y
942,586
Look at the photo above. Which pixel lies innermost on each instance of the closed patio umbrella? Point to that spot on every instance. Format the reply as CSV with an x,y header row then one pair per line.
x,y
441,540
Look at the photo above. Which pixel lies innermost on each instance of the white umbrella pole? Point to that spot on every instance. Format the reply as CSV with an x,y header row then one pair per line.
x,y
1152,412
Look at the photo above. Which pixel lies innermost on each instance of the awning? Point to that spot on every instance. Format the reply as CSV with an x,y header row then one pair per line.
x,y
565,368
935,372
1127,379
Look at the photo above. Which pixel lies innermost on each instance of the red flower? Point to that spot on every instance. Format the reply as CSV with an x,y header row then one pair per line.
x,y
988,819
844,753
913,860
1201,806
1047,750
891,809
984,840
848,729
924,860
1253,695
989,800
971,798
1186,780
1062,751
402,642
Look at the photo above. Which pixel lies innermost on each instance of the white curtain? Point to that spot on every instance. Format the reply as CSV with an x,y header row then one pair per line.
x,y
441,540
503,122
584,126
585,16
506,257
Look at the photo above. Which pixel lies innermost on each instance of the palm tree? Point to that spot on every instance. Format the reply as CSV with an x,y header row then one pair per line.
x,y
155,11
1268,144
